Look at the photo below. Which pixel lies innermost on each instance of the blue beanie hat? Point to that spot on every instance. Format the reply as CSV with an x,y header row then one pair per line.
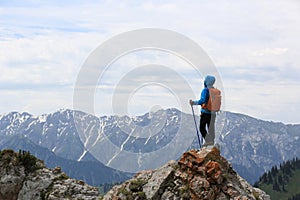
x,y
209,81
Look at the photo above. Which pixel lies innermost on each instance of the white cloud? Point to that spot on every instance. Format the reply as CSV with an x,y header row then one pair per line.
x,y
270,51
254,44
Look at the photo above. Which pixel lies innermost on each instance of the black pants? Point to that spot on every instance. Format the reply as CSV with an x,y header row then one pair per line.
x,y
207,122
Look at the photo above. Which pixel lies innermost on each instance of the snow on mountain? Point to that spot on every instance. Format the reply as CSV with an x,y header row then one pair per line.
x,y
254,145
250,144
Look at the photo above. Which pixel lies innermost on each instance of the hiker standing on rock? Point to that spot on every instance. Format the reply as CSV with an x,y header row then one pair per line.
x,y
210,102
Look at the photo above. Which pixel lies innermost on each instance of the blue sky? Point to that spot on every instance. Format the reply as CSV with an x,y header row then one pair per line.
x,y
254,45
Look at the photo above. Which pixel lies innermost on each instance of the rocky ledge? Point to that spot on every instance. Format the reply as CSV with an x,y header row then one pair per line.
x,y
23,177
197,175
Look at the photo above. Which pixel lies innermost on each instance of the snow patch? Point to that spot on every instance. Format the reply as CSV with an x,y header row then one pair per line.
x,y
42,118
82,155
148,137
121,148
31,123
258,139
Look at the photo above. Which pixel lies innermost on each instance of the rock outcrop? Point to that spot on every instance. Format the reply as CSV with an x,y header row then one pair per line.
x,y
23,177
197,175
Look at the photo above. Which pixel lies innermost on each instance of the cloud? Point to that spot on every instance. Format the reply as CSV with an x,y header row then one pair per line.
x,y
35,101
270,51
254,44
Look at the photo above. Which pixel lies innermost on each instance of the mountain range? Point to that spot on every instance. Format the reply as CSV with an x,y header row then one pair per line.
x,y
110,148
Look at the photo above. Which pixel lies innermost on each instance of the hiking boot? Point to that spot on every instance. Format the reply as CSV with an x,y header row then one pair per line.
x,y
207,144
218,146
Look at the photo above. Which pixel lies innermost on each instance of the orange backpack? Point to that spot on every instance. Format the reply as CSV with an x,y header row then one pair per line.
x,y
214,100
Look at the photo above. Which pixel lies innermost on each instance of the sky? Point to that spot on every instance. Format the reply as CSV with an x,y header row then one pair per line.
x,y
254,46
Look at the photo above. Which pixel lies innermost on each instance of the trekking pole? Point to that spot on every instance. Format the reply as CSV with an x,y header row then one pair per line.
x,y
196,126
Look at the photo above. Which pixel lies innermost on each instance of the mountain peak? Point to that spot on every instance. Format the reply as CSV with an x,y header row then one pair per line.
x,y
203,174
17,116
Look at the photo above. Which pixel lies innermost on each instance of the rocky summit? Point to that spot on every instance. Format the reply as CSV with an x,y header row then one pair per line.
x,y
203,174
24,177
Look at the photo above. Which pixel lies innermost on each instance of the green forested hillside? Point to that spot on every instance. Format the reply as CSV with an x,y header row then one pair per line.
x,y
283,182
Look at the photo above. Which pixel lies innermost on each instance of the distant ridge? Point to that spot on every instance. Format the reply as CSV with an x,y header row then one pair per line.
x,y
92,172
